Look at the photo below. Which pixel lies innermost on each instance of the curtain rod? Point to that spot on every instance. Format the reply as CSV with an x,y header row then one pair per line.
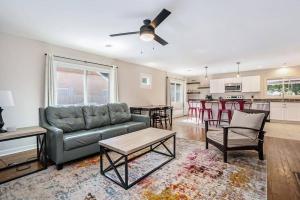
x,y
81,60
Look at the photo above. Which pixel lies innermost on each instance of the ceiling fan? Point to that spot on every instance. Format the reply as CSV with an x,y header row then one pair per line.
x,y
147,31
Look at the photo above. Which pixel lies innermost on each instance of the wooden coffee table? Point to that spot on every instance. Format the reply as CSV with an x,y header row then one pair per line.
x,y
125,145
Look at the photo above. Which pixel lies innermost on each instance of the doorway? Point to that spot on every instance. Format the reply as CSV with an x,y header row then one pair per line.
x,y
176,96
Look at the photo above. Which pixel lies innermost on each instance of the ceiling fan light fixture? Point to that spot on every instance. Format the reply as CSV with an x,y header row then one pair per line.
x,y
147,36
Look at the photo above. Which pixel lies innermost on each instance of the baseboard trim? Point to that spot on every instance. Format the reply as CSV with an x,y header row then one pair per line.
x,y
17,149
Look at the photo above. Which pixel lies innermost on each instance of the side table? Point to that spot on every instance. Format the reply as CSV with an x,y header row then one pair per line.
x,y
12,170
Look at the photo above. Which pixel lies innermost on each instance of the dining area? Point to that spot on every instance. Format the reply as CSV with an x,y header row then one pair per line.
x,y
218,110
161,116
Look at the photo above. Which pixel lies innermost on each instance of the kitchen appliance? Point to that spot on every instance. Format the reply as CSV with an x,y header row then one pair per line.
x,y
233,87
234,97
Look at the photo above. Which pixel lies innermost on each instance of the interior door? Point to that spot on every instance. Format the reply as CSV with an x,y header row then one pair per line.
x,y
177,97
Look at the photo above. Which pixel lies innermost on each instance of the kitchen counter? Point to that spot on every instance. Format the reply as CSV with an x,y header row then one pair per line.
x,y
278,100
254,100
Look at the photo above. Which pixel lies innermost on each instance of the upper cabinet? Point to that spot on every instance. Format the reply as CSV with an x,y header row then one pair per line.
x,y
251,84
217,86
232,80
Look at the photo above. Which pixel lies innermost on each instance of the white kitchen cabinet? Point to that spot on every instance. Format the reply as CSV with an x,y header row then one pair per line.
x,y
251,84
292,111
276,111
217,86
233,80
285,111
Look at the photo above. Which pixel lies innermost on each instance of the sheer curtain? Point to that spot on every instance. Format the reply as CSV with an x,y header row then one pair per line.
x,y
115,87
49,82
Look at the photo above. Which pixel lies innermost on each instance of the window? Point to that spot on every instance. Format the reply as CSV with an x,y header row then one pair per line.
x,y
286,87
80,85
274,87
97,87
145,80
69,88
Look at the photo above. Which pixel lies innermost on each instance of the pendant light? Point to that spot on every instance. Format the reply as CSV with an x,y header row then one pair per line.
x,y
238,70
206,72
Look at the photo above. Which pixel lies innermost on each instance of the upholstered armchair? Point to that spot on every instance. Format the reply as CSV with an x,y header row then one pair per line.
x,y
245,132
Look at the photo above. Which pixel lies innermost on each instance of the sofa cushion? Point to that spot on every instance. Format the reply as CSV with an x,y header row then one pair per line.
x,y
249,120
96,116
80,138
112,131
119,113
134,126
69,119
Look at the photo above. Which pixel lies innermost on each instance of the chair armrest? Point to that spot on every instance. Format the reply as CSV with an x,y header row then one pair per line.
x,y
240,127
141,118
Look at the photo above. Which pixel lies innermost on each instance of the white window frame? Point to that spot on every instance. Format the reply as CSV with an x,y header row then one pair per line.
x,y
84,68
283,93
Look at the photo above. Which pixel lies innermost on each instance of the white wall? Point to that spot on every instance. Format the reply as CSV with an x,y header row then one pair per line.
x,y
22,71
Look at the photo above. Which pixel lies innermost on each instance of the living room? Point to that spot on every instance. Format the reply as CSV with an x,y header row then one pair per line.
x,y
201,101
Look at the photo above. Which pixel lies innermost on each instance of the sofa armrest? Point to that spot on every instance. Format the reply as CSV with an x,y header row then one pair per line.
x,y
55,143
54,139
141,118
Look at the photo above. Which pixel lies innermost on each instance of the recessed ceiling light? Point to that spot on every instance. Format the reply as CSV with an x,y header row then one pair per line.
x,y
108,45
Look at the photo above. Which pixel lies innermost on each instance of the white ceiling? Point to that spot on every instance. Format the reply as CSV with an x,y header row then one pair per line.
x,y
259,33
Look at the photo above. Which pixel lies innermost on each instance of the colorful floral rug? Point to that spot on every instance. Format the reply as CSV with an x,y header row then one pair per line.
x,y
196,173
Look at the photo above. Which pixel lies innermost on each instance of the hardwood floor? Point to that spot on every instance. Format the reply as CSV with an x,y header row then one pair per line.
x,y
282,151
283,160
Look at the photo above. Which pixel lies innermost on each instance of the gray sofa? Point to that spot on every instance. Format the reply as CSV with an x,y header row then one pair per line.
x,y
73,132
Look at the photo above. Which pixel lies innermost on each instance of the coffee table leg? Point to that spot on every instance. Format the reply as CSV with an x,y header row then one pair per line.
x,y
174,146
101,160
126,172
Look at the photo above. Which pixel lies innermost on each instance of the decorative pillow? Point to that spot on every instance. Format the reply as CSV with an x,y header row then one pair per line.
x,y
119,113
68,119
96,116
249,120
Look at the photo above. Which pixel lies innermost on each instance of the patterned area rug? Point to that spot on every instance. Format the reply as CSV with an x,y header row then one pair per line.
x,y
196,173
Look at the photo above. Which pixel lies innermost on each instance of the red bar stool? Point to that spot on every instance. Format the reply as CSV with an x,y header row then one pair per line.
x,y
203,109
224,110
193,109
241,104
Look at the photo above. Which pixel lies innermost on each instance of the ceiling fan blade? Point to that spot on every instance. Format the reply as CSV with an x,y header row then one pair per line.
x,y
160,18
160,40
120,34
